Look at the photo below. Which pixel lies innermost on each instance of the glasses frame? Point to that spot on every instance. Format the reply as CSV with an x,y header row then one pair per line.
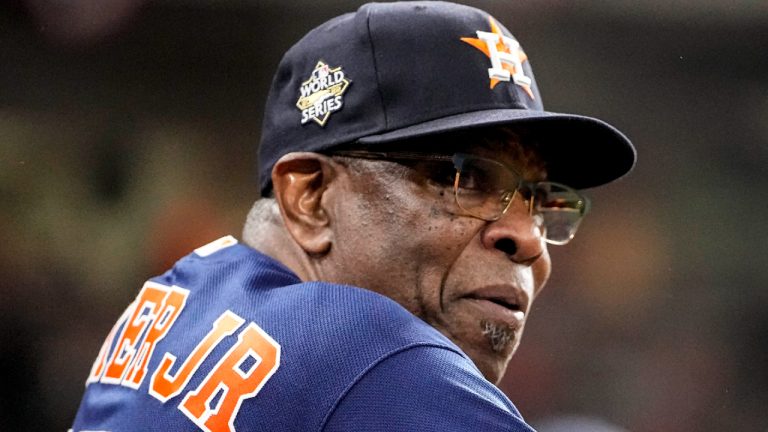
x,y
458,160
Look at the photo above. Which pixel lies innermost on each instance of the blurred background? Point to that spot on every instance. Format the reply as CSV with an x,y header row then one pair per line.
x,y
128,136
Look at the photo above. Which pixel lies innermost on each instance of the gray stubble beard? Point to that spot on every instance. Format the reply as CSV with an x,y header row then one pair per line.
x,y
499,335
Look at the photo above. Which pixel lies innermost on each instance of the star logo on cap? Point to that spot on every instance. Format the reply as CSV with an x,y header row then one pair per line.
x,y
506,55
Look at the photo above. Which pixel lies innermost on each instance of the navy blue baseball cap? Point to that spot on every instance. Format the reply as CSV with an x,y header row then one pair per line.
x,y
396,71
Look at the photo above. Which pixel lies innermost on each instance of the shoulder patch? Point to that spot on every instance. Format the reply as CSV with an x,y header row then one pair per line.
x,y
215,246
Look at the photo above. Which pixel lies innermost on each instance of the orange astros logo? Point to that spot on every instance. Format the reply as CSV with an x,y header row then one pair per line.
x,y
506,56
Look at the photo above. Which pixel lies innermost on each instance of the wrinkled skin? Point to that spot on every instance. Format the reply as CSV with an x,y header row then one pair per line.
x,y
400,234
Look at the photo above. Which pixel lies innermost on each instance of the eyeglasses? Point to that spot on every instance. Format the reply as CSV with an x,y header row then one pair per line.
x,y
485,189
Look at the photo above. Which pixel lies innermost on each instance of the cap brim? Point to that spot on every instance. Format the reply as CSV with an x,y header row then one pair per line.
x,y
579,151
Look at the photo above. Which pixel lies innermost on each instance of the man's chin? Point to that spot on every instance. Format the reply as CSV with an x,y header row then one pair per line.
x,y
502,337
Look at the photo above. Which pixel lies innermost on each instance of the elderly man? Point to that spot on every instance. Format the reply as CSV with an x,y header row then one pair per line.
x,y
411,183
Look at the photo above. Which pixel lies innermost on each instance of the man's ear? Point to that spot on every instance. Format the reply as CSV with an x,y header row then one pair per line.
x,y
299,181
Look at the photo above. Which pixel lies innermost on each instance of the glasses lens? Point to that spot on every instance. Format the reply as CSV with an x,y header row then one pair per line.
x,y
485,187
561,209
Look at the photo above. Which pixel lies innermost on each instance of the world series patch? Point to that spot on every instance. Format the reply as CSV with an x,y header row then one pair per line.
x,y
322,94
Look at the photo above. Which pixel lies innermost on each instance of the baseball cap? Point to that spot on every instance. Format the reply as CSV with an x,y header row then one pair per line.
x,y
395,71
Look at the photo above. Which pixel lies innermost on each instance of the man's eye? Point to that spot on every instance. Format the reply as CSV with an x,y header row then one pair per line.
x,y
442,174
476,179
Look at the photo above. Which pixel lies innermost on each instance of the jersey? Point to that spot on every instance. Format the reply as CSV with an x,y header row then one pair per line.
x,y
229,339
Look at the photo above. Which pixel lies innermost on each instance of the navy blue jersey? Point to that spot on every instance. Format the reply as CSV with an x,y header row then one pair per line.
x,y
230,339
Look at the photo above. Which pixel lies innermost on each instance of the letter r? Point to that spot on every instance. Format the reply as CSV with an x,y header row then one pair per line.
x,y
214,405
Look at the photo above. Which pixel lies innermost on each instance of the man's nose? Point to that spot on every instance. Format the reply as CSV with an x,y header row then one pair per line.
x,y
517,234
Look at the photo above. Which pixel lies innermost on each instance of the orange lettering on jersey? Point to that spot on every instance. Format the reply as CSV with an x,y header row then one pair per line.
x,y
214,405
101,360
164,386
145,309
172,306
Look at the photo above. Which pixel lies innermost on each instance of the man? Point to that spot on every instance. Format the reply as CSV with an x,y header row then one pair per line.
x,y
411,182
